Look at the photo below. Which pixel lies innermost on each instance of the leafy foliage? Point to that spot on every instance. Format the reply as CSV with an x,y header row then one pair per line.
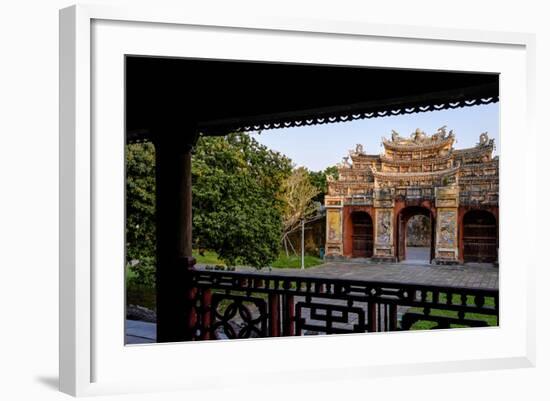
x,y
297,196
236,203
295,262
140,213
239,189
319,180
142,272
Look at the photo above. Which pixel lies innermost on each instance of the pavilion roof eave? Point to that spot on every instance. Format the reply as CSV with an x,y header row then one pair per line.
x,y
165,97
464,97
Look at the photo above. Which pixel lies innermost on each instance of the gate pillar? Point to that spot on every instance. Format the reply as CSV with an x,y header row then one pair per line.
x,y
334,242
384,202
446,234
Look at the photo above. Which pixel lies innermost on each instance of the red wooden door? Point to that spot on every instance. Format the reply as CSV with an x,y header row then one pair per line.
x,y
362,235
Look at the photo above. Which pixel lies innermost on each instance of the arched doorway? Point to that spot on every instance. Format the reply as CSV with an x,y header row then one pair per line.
x,y
415,235
362,237
480,236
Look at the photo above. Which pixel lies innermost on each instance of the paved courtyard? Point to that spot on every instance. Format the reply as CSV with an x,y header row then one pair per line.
x,y
469,276
138,332
475,275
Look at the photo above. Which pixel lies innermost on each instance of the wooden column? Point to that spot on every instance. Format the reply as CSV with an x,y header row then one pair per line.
x,y
207,314
288,316
274,316
393,318
371,311
175,314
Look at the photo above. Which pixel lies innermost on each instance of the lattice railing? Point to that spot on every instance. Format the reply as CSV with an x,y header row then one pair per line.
x,y
246,304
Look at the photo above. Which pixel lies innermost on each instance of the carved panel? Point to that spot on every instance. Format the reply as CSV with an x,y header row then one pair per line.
x,y
383,246
447,229
446,196
334,223
384,227
446,239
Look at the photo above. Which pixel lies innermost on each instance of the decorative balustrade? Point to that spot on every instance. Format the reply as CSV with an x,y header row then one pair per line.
x,y
255,304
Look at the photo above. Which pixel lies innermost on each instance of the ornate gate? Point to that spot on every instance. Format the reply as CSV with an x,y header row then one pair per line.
x,y
402,221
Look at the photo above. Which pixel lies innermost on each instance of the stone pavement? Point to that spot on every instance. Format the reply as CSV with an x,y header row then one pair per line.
x,y
471,275
418,255
138,332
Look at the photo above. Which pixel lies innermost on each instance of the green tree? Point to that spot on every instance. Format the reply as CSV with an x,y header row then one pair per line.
x,y
319,180
297,195
140,200
140,212
237,207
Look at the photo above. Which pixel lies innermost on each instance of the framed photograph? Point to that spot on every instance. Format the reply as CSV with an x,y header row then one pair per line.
x,y
346,196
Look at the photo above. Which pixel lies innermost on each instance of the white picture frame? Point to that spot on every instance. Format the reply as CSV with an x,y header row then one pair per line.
x,y
93,358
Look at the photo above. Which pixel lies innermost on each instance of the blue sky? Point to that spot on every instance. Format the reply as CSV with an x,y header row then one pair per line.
x,y
319,146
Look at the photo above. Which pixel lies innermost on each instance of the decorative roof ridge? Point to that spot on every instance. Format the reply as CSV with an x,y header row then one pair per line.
x,y
363,155
475,149
390,161
384,174
484,144
419,140
416,146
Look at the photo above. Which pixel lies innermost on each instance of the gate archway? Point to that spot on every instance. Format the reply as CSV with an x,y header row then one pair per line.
x,y
480,236
403,219
362,237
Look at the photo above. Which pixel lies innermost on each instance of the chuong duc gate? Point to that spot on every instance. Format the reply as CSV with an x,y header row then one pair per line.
x,y
374,197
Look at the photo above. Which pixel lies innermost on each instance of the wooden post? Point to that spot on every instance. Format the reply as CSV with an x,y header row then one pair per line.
x,y
274,316
288,315
206,314
174,236
393,317
372,316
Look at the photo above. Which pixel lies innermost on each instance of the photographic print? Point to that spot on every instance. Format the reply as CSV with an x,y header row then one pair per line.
x,y
272,199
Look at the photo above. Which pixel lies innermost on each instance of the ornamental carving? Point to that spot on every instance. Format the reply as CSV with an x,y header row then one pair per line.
x,y
447,229
421,161
383,227
419,137
483,139
334,223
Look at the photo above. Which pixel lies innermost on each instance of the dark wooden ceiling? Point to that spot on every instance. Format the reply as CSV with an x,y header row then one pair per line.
x,y
171,96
